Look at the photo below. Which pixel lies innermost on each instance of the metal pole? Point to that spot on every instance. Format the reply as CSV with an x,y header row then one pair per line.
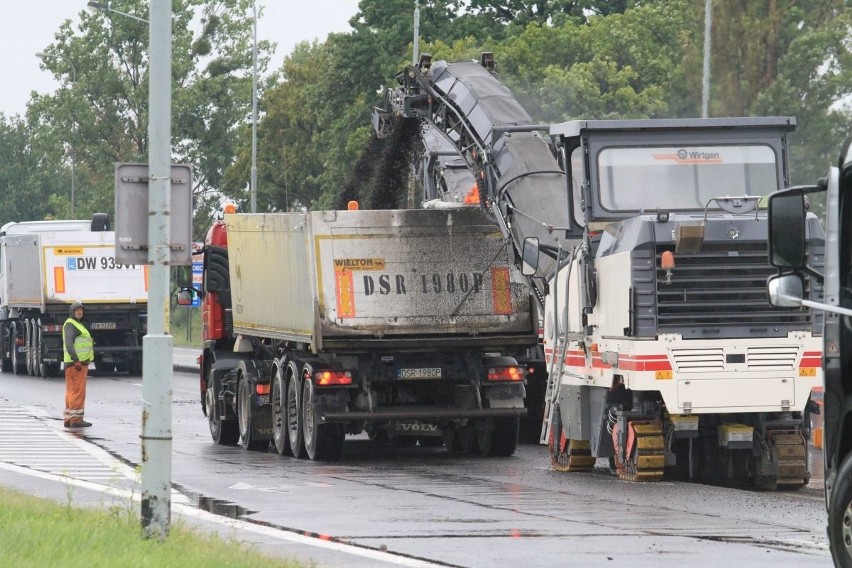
x,y
254,115
705,90
73,167
158,345
415,55
73,147
42,55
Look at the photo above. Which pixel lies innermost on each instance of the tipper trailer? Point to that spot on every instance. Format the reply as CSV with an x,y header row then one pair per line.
x,y
394,322
45,266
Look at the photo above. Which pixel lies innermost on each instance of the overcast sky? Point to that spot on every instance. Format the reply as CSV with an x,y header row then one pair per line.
x,y
29,27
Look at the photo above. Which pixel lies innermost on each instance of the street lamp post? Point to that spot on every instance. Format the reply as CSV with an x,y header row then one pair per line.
x,y
705,82
104,7
42,55
254,114
157,345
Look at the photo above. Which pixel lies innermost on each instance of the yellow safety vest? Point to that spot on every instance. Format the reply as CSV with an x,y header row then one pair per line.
x,y
83,344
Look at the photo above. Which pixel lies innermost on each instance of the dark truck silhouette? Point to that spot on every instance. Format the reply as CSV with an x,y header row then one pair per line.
x,y
789,225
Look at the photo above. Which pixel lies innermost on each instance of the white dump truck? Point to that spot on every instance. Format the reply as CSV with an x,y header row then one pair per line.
x,y
45,266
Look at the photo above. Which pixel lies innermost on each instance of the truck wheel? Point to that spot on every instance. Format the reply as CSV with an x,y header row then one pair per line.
x,y
323,442
278,399
28,338
504,436
40,366
18,363
223,432
245,420
458,440
7,338
294,413
134,366
483,429
840,516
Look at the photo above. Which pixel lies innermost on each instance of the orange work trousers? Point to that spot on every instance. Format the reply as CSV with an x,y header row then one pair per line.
x,y
75,393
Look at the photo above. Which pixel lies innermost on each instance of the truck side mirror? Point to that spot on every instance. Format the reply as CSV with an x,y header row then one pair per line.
x,y
185,296
786,291
787,212
530,256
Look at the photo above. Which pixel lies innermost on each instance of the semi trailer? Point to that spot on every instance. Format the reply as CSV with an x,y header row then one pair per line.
x,y
45,266
393,323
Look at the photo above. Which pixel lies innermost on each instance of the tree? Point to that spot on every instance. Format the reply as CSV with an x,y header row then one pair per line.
x,y
622,65
35,178
104,114
788,58
583,59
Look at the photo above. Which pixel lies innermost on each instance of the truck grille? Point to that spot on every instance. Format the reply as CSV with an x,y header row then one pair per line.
x,y
769,358
721,292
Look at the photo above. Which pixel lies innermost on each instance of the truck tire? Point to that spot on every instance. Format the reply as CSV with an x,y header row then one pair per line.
x,y
504,436
840,516
7,342
530,425
28,339
323,442
483,430
40,365
223,432
19,364
133,364
245,419
458,440
278,398
294,412
497,436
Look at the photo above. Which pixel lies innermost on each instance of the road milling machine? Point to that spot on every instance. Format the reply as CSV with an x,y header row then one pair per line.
x,y
645,244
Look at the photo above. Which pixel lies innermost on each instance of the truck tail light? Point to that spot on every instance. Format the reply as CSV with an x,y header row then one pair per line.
x,y
53,328
262,388
505,373
327,378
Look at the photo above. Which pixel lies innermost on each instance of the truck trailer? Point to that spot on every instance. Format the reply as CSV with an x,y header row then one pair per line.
x,y
45,266
396,323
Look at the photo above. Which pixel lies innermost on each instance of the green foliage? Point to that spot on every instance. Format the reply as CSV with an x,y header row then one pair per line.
x,y
788,58
101,110
46,533
625,65
35,173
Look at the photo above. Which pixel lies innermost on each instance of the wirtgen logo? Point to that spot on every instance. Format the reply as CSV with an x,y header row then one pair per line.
x,y
684,156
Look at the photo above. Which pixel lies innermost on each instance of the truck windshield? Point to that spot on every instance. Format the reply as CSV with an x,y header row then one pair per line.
x,y
682,177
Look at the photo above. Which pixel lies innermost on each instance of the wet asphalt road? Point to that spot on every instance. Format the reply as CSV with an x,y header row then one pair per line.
x,y
422,504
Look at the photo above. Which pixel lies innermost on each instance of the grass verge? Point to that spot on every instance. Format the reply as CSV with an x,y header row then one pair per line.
x,y
39,532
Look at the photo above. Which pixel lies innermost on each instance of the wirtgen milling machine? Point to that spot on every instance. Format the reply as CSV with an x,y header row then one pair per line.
x,y
645,241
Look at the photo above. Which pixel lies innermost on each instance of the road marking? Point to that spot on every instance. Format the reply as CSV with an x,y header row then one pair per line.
x,y
75,462
189,511
26,434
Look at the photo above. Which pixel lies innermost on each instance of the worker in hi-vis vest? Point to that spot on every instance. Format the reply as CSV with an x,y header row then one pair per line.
x,y
79,351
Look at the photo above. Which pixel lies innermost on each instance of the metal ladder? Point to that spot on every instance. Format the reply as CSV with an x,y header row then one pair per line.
x,y
551,393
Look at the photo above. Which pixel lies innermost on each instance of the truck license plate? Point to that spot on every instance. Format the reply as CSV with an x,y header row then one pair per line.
x,y
424,373
104,325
